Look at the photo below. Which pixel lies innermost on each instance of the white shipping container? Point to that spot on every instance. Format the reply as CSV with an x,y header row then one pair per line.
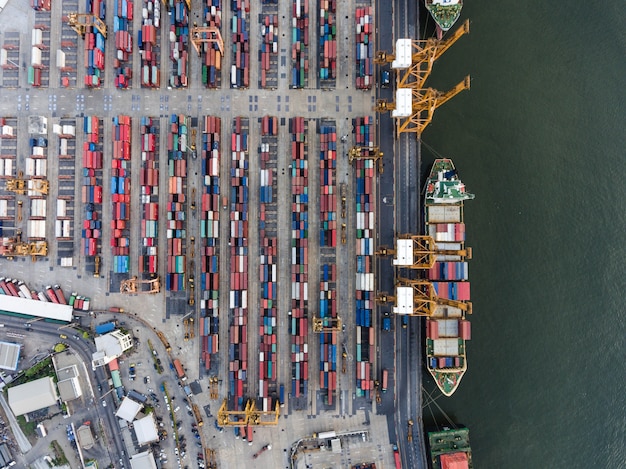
x,y
37,207
7,131
60,58
37,151
244,298
58,228
4,207
67,262
30,167
35,56
8,167
4,57
69,130
232,299
41,167
57,129
61,207
36,228
37,37
63,147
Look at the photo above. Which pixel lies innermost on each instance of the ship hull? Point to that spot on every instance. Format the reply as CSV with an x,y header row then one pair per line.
x,y
444,15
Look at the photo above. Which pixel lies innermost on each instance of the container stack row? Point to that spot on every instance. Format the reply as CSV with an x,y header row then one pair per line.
x,y
92,186
328,340
364,293
67,54
298,328
240,30
38,50
64,224
8,158
149,181
211,55
94,46
210,237
79,303
149,40
123,31
268,55
268,250
328,197
41,5
36,168
328,43
364,48
300,44
179,43
238,306
176,202
10,60
120,193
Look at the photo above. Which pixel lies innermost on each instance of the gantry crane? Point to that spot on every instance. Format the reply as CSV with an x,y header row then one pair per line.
x,y
131,285
188,323
327,324
414,73
213,389
372,153
80,21
415,107
420,252
21,186
211,459
419,298
206,34
249,416
14,246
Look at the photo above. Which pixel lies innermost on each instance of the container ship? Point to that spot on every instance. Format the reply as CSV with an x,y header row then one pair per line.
x,y
447,329
450,449
444,12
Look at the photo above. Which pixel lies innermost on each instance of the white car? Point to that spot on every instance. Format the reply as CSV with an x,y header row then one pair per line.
x,y
104,403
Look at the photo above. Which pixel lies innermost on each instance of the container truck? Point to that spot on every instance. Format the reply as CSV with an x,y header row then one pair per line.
x,y
384,381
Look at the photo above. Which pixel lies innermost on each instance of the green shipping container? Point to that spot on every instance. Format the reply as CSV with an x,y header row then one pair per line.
x,y
31,75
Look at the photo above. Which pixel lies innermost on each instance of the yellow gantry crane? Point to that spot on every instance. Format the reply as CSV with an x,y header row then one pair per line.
x,y
213,389
80,21
249,416
417,297
210,458
416,116
420,252
206,34
327,324
21,186
423,55
134,285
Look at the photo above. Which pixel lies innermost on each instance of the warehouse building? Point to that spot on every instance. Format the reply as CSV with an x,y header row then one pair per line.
x,y
143,460
32,396
110,346
128,410
68,383
146,430
9,355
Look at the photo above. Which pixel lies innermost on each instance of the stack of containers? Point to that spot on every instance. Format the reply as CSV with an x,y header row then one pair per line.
x,y
149,39
92,186
238,352
67,154
269,50
94,46
328,198
36,64
176,203
300,44
212,60
299,257
123,30
41,5
149,181
240,69
120,193
365,209
268,250
328,340
328,43
209,234
179,43
364,48
8,134
37,168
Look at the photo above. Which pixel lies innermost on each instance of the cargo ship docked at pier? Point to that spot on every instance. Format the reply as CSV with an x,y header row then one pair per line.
x,y
444,12
447,329
450,449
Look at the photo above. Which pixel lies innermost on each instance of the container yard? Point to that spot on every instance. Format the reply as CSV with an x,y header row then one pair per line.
x,y
268,250
94,43
176,203
238,306
300,44
211,55
92,187
240,68
299,328
149,181
365,288
268,54
123,31
327,51
148,42
179,44
120,194
364,48
210,239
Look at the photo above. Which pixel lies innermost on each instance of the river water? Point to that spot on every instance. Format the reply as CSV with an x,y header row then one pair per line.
x,y
541,140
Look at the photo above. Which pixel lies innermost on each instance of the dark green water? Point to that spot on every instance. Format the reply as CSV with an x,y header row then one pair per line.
x,y
541,140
